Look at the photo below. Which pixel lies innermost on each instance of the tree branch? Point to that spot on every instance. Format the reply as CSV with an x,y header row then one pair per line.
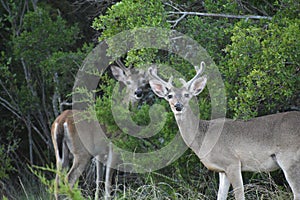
x,y
6,7
10,107
175,22
64,103
9,95
23,118
172,5
184,14
34,4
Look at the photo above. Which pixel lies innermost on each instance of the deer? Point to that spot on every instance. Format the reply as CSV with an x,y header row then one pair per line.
x,y
262,144
66,140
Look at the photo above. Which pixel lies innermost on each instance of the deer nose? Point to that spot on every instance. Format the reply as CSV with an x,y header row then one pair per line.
x,y
138,93
178,106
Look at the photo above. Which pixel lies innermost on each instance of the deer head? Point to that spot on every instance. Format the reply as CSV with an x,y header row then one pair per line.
x,y
134,80
178,98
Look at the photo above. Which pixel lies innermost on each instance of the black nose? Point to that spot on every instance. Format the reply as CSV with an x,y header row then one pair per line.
x,y
138,93
178,106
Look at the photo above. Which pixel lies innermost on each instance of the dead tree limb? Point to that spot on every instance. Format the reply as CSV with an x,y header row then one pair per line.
x,y
184,14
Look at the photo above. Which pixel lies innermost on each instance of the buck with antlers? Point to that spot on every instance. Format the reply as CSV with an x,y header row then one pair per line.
x,y
262,144
66,140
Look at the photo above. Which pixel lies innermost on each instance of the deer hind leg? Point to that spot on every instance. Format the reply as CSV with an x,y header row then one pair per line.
x,y
62,163
234,175
56,185
111,161
290,165
99,175
224,185
65,158
79,163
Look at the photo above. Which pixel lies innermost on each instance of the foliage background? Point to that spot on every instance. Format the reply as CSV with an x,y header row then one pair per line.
x,y
43,44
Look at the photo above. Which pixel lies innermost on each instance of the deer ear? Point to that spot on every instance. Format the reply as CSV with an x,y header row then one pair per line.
x,y
198,85
118,73
158,88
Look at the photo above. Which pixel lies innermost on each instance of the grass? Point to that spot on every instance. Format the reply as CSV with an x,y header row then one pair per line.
x,y
155,185
24,188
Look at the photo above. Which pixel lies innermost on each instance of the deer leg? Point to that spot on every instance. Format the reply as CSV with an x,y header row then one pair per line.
x,y
79,163
108,183
65,158
109,172
99,176
224,185
61,164
58,167
290,166
234,175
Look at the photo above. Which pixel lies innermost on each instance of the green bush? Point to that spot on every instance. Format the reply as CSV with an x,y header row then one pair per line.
x,y
260,67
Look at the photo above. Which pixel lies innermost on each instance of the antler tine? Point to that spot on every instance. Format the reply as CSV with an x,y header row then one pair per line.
x,y
170,81
153,73
199,71
182,81
122,66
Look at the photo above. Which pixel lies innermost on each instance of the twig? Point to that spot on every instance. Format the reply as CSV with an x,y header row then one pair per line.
x,y
223,15
21,183
171,5
65,103
10,107
175,22
184,14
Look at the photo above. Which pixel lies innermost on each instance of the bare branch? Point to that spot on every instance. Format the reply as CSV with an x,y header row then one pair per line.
x,y
175,22
34,3
172,5
56,100
6,7
25,6
64,103
184,14
8,94
22,117
10,107
223,15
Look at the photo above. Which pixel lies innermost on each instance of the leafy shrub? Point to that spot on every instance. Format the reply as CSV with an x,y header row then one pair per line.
x,y
261,67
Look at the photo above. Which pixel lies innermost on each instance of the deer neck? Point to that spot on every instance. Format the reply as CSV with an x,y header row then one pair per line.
x,y
191,128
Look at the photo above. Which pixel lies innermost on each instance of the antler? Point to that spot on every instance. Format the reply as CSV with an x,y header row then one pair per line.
x,y
122,66
199,71
153,73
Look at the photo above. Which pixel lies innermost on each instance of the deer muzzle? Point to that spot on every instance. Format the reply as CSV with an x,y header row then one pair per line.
x,y
178,106
139,93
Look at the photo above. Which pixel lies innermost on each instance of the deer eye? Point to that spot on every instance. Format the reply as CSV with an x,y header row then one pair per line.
x,y
186,95
170,96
